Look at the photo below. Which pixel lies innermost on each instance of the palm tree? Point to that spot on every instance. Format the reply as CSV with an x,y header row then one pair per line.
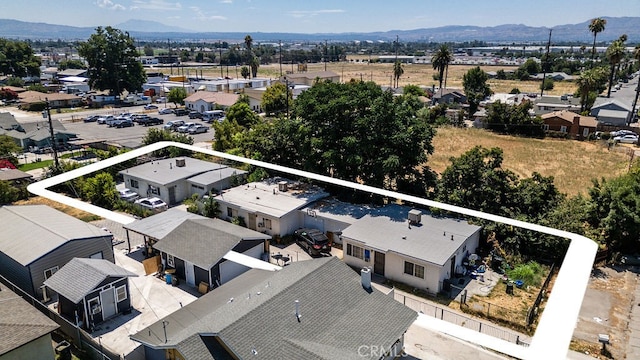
x,y
397,71
586,83
596,26
636,55
440,62
248,42
615,53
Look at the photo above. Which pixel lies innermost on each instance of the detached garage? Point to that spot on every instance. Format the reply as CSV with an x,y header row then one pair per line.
x,y
195,250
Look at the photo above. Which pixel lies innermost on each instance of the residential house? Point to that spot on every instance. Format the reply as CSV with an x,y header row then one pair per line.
x,y
8,122
73,72
549,103
38,240
331,216
168,178
26,332
577,126
34,135
195,249
212,182
255,94
229,85
309,78
556,76
611,111
409,246
270,206
318,309
56,100
202,101
448,96
91,290
15,176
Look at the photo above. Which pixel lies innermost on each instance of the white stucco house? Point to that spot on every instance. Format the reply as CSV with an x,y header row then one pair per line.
x,y
271,206
410,246
202,101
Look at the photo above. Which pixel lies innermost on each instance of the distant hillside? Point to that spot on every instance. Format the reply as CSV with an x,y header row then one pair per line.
x,y
151,30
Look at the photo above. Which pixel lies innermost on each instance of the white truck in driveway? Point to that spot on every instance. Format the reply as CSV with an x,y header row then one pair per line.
x,y
132,100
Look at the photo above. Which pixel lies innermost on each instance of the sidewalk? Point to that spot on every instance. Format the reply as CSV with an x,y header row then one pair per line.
x,y
633,346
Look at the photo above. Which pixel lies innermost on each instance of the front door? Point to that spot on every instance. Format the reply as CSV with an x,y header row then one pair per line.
x,y
172,195
378,263
453,267
108,300
189,274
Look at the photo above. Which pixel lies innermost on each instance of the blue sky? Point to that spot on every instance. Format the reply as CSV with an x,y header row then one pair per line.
x,y
330,16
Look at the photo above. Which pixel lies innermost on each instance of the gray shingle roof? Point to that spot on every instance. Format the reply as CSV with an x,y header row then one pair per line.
x,y
20,323
32,231
204,242
159,225
254,314
431,241
80,276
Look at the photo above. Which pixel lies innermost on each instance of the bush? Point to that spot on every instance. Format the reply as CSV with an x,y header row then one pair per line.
x,y
547,83
530,273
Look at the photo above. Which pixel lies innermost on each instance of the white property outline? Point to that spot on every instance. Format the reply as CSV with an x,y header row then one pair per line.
x,y
557,322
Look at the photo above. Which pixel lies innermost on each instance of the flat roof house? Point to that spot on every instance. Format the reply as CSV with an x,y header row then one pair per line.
x,y
319,309
270,206
93,289
410,246
195,249
168,178
26,332
38,240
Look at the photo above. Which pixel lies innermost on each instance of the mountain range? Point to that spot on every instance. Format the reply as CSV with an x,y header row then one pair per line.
x,y
508,33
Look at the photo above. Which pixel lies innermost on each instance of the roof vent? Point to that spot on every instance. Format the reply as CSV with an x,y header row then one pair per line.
x,y
282,186
415,216
365,278
180,162
298,315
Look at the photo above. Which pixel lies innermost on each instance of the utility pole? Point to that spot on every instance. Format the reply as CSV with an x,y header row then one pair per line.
x,y
220,61
544,68
395,62
326,54
280,44
53,137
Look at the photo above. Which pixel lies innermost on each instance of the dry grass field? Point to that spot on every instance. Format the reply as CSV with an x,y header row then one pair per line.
x,y
573,164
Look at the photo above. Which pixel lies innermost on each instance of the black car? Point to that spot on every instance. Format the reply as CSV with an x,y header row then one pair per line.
x,y
195,115
181,112
150,121
314,241
123,123
91,118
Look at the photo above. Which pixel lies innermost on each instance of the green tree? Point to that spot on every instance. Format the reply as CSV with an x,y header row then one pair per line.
x,y
244,72
227,135
157,135
248,43
414,90
531,67
18,59
596,26
590,82
101,191
547,84
398,70
636,56
255,64
8,193
211,208
476,88
15,81
148,50
242,114
38,87
71,64
9,149
275,99
513,119
440,62
112,59
177,95
615,53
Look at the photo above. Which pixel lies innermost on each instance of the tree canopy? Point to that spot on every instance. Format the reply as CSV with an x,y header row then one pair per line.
x,y
475,87
275,99
177,95
513,119
17,59
112,58
9,149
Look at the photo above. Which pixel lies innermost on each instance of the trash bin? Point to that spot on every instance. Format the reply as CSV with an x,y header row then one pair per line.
x,y
64,350
174,281
168,278
510,288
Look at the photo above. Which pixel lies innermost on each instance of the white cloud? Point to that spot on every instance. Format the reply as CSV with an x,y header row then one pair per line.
x,y
204,16
155,5
311,13
108,4
226,1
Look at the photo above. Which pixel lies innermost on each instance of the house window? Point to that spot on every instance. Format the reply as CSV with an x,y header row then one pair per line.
x,y
267,223
154,190
585,132
563,129
49,272
355,251
133,183
121,293
232,212
545,127
170,260
94,306
197,187
413,269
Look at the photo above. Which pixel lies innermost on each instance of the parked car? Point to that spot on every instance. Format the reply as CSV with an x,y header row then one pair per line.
x,y
622,133
122,123
154,204
181,112
626,139
150,107
104,119
148,121
173,124
161,100
185,128
198,129
128,195
165,111
114,120
314,241
91,118
195,115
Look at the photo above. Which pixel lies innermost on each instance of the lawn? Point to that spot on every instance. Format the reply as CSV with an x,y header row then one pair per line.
x,y
35,165
573,164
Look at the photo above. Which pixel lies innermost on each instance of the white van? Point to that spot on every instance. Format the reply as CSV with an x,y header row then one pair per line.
x,y
210,116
